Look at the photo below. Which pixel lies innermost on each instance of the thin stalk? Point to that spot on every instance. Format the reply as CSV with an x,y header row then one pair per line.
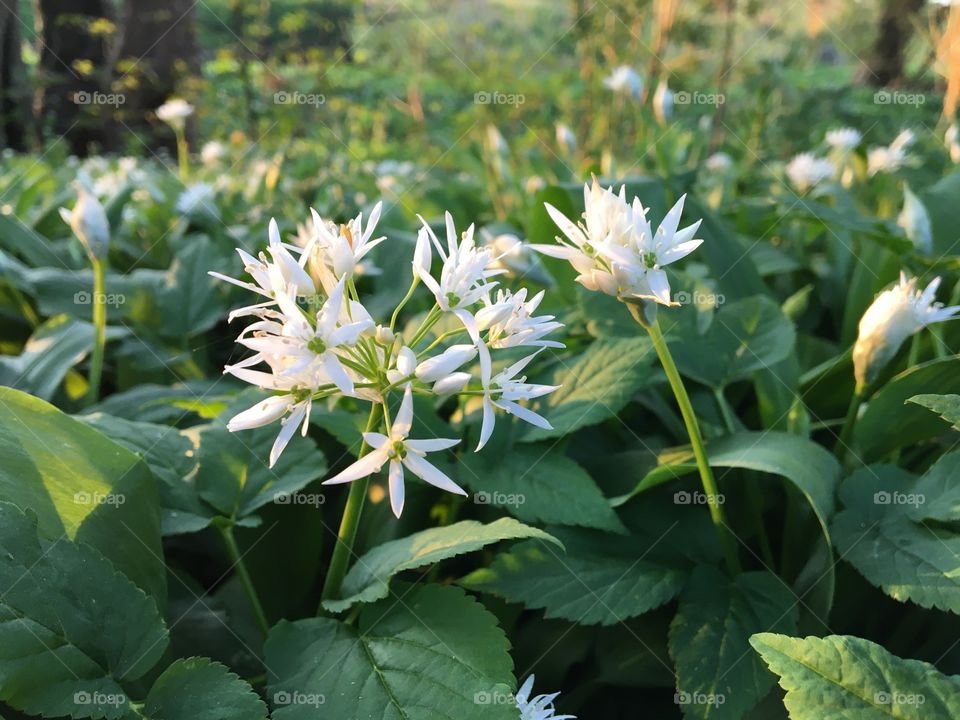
x,y
99,331
849,423
183,155
233,552
349,522
428,322
696,440
406,299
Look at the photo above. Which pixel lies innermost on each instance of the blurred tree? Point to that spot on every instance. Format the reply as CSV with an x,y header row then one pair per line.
x,y
886,65
156,56
72,36
13,99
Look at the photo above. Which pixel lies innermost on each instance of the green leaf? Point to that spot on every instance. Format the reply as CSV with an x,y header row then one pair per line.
x,y
422,654
718,677
537,483
594,386
71,627
744,337
82,485
200,689
600,580
191,301
946,406
876,534
234,476
369,578
841,677
55,347
938,491
876,435
941,202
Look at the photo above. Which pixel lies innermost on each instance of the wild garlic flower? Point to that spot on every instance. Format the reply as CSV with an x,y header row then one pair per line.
x,y
891,158
212,152
625,81
951,139
566,139
539,707
89,223
313,339
719,162
334,251
175,112
895,315
615,250
844,139
915,222
806,171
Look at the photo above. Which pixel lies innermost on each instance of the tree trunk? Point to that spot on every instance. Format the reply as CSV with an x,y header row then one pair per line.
x,y
887,59
13,100
69,73
157,52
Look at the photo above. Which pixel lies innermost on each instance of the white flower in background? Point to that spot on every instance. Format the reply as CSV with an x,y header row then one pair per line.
x,y
212,152
197,199
915,222
807,171
952,140
539,707
615,250
514,256
719,162
89,223
504,391
895,315
844,139
891,158
400,452
175,112
566,139
464,279
663,102
625,81
904,141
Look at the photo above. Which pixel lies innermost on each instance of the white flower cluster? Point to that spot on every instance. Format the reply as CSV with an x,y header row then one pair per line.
x,y
891,158
539,707
316,340
806,171
895,315
615,250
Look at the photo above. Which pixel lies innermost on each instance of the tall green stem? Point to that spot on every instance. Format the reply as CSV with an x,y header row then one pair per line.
x,y
236,559
714,502
349,522
99,300
846,434
183,155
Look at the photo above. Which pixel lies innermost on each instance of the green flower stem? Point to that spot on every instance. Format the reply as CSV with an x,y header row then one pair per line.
x,y
696,440
233,552
99,331
349,522
846,433
406,299
183,155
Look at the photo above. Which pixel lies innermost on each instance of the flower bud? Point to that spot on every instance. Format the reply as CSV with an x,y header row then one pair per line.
x,y
383,335
451,384
915,222
435,368
88,220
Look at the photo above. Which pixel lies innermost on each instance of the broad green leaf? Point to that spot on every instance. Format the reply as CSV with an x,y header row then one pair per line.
x,y
82,485
191,301
55,347
71,627
946,406
20,240
876,534
199,689
876,436
234,476
941,202
594,386
839,677
537,483
369,577
599,580
938,491
718,677
168,403
745,336
423,654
